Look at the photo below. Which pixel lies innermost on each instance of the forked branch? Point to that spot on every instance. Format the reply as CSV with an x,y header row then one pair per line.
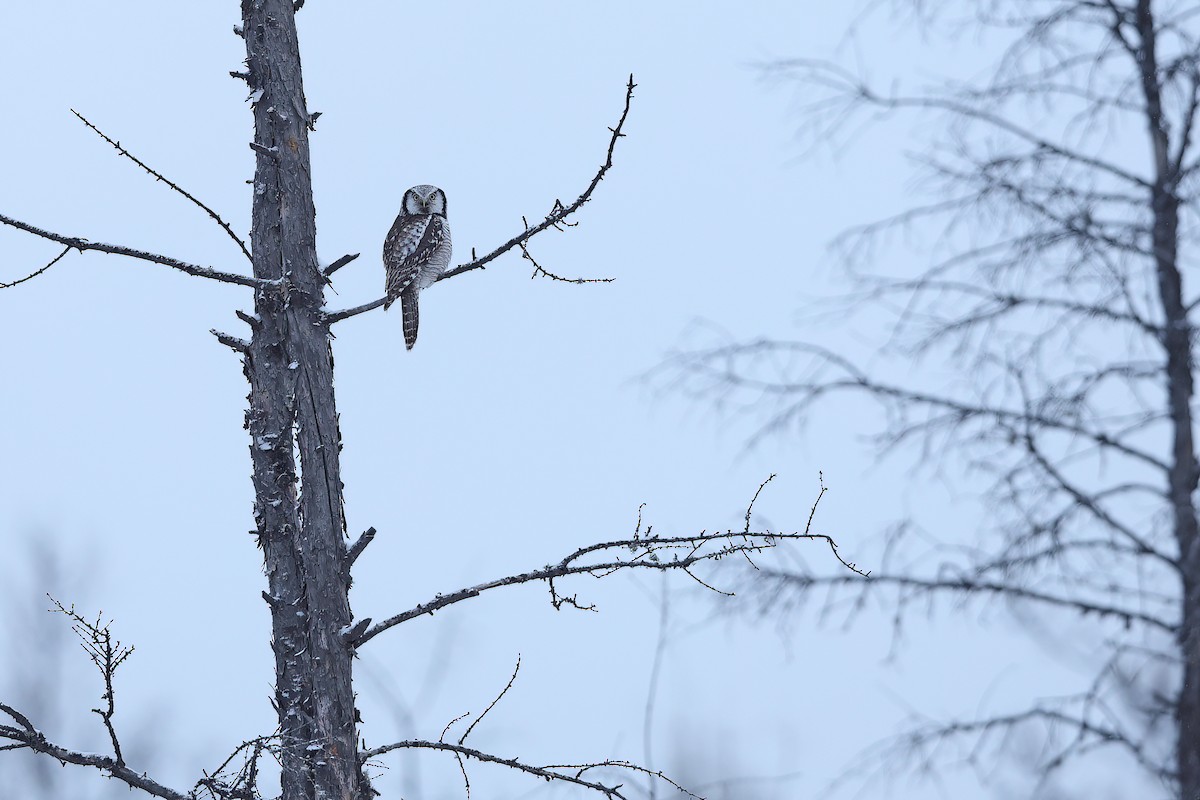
x,y
558,216
107,654
1069,728
540,271
80,244
640,551
562,773
24,735
174,186
238,775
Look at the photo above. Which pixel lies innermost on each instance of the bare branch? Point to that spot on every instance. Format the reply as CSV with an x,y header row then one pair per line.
x,y
227,783
558,215
21,719
970,586
81,245
853,89
718,364
230,341
356,549
1091,503
341,262
646,551
921,747
492,704
176,187
263,150
552,772
28,737
107,654
758,491
355,631
254,322
34,274
538,269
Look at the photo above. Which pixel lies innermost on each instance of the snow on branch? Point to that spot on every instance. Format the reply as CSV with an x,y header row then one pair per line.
x,y
341,262
25,736
643,550
107,654
80,244
557,218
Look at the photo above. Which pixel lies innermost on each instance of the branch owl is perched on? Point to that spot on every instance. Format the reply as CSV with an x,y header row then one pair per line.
x,y
416,251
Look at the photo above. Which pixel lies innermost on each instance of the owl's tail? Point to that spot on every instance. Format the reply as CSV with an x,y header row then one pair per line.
x,y
408,307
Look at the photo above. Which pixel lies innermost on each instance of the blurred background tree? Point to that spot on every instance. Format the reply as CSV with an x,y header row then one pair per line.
x,y
45,673
1047,346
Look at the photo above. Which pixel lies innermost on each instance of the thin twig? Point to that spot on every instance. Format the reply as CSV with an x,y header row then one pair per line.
x,y
107,654
492,705
538,269
225,783
546,773
21,719
33,275
749,513
159,176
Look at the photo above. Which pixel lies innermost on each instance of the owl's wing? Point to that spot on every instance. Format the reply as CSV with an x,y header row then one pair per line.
x,y
409,244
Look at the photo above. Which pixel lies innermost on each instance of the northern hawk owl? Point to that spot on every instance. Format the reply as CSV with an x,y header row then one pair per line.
x,y
416,251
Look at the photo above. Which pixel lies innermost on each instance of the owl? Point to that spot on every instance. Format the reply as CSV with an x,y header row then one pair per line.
x,y
416,251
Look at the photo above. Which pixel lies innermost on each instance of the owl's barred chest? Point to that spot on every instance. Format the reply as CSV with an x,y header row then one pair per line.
x,y
439,260
417,251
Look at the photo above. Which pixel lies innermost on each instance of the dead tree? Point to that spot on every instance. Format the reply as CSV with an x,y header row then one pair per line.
x,y
300,524
1064,185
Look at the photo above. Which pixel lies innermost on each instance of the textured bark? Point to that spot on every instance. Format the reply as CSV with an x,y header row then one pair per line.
x,y
290,368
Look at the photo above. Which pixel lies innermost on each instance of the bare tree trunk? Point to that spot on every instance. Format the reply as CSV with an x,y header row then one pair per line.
x,y
288,362
289,366
1177,333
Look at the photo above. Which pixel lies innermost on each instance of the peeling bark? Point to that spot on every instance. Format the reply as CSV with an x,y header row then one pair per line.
x,y
289,364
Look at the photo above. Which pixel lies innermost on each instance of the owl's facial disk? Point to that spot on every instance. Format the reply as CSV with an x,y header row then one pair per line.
x,y
425,199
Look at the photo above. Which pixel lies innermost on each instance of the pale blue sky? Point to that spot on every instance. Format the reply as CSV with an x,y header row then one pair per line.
x,y
514,432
